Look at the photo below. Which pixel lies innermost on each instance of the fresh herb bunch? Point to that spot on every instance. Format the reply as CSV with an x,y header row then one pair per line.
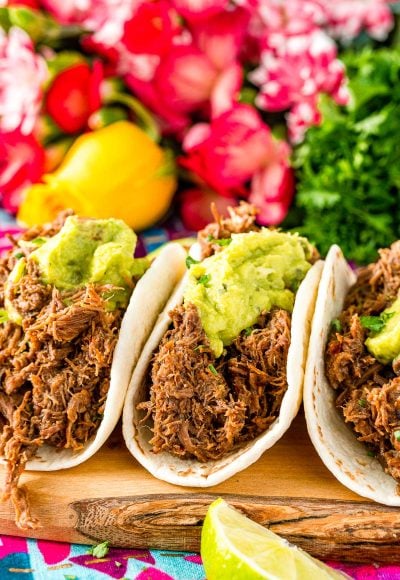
x,y
348,168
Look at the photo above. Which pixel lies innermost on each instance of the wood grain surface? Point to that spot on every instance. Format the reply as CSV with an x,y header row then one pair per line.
x,y
111,497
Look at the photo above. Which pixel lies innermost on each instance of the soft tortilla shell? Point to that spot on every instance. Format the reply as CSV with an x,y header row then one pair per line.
x,y
148,299
192,472
334,441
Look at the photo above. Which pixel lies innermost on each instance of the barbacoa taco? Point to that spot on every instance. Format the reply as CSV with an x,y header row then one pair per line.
x,y
220,378
352,384
76,310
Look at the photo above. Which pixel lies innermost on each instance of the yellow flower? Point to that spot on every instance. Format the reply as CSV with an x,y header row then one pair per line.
x,y
117,171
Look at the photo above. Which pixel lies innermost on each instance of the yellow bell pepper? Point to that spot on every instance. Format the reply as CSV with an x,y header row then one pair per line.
x,y
117,171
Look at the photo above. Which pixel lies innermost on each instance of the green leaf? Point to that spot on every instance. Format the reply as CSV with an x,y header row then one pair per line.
x,y
336,325
40,27
5,23
219,242
100,550
204,279
376,323
213,369
190,261
39,241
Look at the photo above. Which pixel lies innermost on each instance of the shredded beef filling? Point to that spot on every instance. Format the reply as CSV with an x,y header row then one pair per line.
x,y
368,391
54,369
204,407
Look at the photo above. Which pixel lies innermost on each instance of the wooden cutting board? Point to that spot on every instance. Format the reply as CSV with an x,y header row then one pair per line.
x,y
111,497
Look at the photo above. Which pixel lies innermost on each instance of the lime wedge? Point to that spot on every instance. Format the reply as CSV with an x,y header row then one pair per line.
x,y
236,548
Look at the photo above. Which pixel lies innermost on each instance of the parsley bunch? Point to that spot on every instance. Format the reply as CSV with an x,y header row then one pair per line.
x,y
348,168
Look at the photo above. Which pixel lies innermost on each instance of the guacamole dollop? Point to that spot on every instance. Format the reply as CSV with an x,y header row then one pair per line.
x,y
86,251
385,344
255,272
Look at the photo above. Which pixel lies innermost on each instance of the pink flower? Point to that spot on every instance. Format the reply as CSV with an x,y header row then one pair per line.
x,y
232,150
105,18
227,152
302,115
182,82
21,163
74,95
272,187
272,21
22,74
296,72
347,18
221,36
289,17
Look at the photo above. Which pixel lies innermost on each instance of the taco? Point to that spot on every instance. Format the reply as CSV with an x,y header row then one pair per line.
x,y
76,310
352,384
220,378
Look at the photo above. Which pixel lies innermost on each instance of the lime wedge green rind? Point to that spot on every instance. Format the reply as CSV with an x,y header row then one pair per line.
x,y
234,547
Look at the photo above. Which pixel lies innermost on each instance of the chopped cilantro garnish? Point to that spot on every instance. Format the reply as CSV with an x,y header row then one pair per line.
x,y
397,435
39,241
213,369
371,453
362,402
100,550
204,279
219,242
336,325
376,323
18,255
3,315
190,261
248,330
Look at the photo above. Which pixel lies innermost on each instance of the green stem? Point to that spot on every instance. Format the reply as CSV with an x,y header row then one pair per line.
x,y
149,125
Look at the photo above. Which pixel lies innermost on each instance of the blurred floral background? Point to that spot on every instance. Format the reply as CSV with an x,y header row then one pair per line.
x,y
146,109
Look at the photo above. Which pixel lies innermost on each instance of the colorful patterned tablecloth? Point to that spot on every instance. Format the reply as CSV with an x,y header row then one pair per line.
x,y
22,559
27,559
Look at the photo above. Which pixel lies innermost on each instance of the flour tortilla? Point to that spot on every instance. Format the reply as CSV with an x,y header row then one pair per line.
x,y
192,472
148,299
334,441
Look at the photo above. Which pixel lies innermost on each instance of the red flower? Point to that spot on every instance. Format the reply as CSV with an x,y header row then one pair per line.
x,y
176,73
35,4
21,163
74,95
151,29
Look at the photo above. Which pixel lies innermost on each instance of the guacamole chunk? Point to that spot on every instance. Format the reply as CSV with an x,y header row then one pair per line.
x,y
385,345
88,250
255,272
